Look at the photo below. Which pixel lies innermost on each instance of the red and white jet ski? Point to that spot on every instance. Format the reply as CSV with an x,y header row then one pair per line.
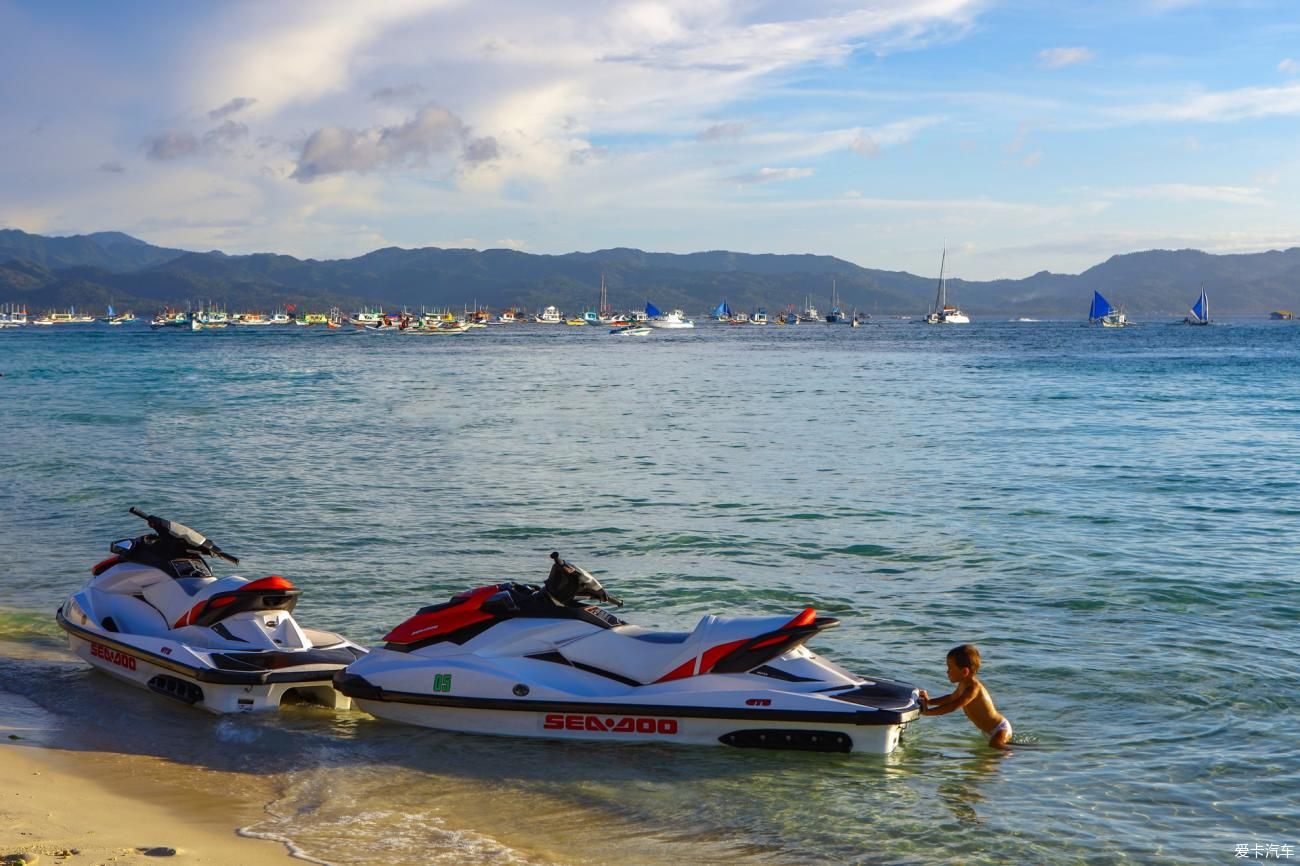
x,y
533,661
155,616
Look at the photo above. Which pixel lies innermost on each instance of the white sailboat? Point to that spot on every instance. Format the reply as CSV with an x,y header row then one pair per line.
x,y
945,313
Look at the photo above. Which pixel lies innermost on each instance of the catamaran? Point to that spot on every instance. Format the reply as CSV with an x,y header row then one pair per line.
x,y
1200,312
1104,314
944,313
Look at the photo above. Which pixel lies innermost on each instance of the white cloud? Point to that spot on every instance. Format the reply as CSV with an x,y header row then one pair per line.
x,y
1184,192
1055,58
1219,107
770,175
1289,66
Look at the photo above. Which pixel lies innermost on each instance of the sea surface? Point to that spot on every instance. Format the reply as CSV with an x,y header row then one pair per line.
x,y
1112,516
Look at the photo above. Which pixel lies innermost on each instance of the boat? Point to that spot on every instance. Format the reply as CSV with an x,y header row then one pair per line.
x,y
366,316
809,313
13,316
836,315
740,317
1281,315
170,318
1200,311
308,319
71,317
579,320
507,317
722,312
671,319
759,318
155,616
549,316
605,314
631,330
548,661
1104,314
944,313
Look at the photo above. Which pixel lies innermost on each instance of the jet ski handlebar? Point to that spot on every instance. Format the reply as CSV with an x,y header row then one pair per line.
x,y
183,533
568,581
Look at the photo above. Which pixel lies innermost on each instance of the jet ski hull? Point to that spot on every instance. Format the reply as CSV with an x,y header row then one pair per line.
x,y
749,715
214,680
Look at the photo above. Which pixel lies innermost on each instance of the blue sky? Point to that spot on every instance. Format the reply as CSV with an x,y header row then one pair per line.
x,y
1025,136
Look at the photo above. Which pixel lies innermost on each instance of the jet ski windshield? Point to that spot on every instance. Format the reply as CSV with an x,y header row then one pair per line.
x,y
567,582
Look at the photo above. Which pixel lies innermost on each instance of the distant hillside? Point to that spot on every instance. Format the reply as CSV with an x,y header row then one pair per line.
x,y
90,271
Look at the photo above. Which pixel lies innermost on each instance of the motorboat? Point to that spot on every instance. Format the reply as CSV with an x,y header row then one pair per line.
x,y
549,316
548,661
631,331
155,616
671,319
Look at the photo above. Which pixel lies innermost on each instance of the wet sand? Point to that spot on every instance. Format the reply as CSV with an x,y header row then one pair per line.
x,y
80,807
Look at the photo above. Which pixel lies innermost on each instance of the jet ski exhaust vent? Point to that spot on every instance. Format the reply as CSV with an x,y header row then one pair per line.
x,y
172,687
799,741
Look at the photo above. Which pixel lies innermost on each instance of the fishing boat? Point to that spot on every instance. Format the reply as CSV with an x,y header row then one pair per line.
x,y
809,313
1200,312
1102,313
759,318
722,312
549,316
944,313
1281,315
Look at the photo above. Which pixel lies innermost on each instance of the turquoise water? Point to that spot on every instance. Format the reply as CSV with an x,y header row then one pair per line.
x,y
1111,516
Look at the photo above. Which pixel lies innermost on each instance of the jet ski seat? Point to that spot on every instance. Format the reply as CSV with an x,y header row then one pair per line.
x,y
671,655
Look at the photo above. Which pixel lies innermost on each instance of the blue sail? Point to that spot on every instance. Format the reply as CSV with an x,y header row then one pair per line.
x,y
1100,306
110,311
722,310
651,311
1202,309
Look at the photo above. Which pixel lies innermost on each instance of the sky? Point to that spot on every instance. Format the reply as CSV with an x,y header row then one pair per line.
x,y
1023,136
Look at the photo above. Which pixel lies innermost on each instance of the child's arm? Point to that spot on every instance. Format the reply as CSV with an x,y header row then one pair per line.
x,y
960,697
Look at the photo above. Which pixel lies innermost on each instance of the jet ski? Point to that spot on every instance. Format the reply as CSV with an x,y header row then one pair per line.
x,y
155,616
523,660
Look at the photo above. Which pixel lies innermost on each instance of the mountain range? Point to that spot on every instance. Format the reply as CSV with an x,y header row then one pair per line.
x,y
91,271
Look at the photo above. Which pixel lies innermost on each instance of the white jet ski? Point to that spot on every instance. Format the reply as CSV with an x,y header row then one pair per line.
x,y
155,616
523,660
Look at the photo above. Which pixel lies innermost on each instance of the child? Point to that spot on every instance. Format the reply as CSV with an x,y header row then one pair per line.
x,y
970,695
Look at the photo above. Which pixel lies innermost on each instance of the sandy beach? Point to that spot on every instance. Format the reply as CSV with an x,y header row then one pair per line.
x,y
77,807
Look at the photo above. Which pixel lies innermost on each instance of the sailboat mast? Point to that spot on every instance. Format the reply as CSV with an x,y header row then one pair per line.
x,y
941,297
